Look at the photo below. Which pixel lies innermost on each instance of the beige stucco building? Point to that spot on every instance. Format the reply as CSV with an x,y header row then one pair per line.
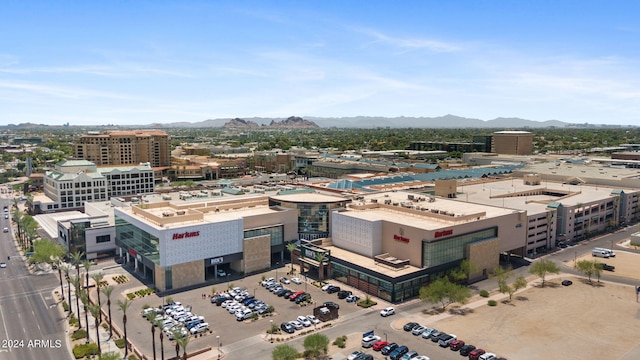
x,y
513,142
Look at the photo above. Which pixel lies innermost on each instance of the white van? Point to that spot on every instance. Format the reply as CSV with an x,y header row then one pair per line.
x,y
611,252
600,253
488,356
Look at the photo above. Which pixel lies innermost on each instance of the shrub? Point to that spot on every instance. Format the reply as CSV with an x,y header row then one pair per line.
x,y
131,296
484,293
132,357
73,321
341,341
84,350
65,306
120,343
492,303
79,334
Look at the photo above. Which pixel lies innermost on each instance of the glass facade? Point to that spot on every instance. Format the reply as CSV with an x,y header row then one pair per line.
x,y
313,218
77,240
370,283
142,242
276,232
452,248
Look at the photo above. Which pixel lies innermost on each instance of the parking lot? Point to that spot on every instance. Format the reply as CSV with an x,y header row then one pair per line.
x,y
220,321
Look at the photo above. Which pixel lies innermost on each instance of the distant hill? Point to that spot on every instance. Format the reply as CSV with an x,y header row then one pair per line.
x,y
447,121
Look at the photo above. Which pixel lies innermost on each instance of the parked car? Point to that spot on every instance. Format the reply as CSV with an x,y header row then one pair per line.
x,y
331,304
293,296
427,333
314,320
296,325
355,355
488,356
389,348
418,330
221,273
296,280
352,298
333,289
421,357
326,287
475,354
466,349
409,355
409,326
456,345
607,267
387,311
398,352
446,340
304,321
566,282
288,328
302,298
342,294
284,280
268,281
379,345
368,341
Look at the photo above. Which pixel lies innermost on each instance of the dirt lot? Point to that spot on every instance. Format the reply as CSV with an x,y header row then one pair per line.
x,y
581,321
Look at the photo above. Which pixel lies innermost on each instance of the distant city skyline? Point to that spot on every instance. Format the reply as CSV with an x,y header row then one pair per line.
x,y
144,62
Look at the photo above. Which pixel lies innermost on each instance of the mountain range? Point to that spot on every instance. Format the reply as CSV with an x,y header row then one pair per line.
x,y
447,121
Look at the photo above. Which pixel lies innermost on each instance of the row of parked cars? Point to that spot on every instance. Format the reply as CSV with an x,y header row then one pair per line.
x,y
175,318
280,290
240,303
299,323
346,295
451,341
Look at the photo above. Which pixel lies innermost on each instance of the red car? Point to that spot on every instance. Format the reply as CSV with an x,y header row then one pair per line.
x,y
295,295
475,354
456,345
379,345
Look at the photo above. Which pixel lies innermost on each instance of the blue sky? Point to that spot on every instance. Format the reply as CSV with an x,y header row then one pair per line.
x,y
140,62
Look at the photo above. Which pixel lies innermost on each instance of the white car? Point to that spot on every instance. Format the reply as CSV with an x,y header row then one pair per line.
x,y
325,287
284,280
268,281
354,355
5,230
221,273
304,321
296,324
296,281
387,311
368,341
313,319
3,265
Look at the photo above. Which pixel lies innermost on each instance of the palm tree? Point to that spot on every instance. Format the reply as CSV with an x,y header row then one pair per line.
x,y
152,317
320,258
84,297
58,262
76,284
107,292
65,270
75,259
95,312
291,247
18,218
87,266
124,305
161,345
181,342
97,278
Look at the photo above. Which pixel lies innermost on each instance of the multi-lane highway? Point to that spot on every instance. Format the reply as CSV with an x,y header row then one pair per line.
x,y
31,325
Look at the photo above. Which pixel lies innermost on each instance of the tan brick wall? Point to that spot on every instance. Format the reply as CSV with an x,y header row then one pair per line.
x,y
257,253
187,274
484,255
160,282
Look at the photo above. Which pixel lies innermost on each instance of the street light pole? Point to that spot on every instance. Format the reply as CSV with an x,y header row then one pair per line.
x,y
218,337
271,330
277,264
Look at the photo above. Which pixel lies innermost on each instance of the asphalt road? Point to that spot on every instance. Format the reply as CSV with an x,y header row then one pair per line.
x,y
32,328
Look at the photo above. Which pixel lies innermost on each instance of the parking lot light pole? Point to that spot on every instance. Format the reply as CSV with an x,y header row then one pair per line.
x,y
277,264
271,330
385,337
254,292
218,337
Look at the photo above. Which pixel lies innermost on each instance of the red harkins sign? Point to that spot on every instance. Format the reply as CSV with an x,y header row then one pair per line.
x,y
400,238
443,233
187,234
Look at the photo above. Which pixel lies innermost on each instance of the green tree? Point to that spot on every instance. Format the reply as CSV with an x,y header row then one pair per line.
x,y
75,281
284,352
95,312
586,267
542,268
84,297
445,292
291,247
76,260
97,278
111,356
151,316
316,345
87,267
124,306
463,271
107,292
65,270
182,341
320,258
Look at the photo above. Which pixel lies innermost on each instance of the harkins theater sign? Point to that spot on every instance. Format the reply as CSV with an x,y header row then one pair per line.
x,y
401,237
186,234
